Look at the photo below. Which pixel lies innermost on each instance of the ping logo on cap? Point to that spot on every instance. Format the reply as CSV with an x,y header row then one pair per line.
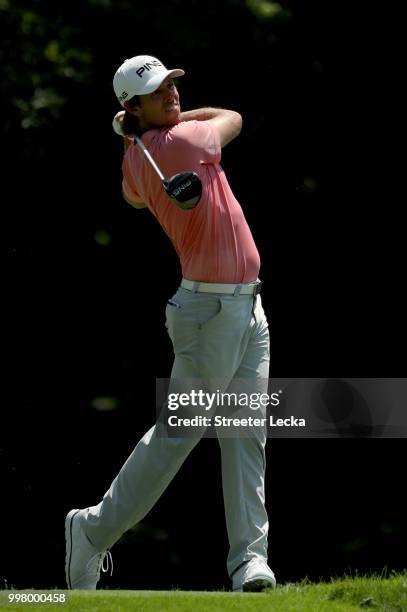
x,y
123,96
148,67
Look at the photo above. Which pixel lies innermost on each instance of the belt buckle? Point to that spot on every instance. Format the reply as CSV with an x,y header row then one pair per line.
x,y
257,288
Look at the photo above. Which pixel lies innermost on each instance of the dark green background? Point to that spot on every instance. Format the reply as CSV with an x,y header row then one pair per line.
x,y
87,277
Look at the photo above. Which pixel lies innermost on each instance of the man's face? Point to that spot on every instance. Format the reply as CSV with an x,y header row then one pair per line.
x,y
159,108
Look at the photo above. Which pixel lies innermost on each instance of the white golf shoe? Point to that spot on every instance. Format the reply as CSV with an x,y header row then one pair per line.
x,y
254,576
83,561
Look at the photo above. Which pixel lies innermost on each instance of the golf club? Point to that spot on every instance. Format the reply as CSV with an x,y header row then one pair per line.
x,y
185,188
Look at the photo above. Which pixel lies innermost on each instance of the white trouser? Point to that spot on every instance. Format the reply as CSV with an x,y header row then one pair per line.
x,y
215,336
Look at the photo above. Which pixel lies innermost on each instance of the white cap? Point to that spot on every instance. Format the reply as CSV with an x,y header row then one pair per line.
x,y
139,76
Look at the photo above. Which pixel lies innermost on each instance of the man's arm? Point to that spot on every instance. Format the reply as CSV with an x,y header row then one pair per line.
x,y
127,143
228,123
132,202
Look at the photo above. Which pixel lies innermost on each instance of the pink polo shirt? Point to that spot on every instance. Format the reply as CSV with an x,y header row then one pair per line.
x,y
213,240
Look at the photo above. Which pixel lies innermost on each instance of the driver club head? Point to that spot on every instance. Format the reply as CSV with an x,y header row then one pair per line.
x,y
185,188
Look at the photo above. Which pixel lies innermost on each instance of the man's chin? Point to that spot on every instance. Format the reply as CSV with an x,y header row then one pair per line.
x,y
173,116
173,120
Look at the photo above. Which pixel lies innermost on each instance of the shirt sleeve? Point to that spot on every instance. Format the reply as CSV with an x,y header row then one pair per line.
x,y
128,184
196,139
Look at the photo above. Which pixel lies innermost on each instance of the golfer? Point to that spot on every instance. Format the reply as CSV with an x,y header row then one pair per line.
x,y
215,321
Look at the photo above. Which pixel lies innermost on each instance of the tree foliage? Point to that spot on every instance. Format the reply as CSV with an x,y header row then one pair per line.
x,y
54,53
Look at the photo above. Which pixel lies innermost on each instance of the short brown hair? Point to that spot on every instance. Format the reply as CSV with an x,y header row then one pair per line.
x,y
130,123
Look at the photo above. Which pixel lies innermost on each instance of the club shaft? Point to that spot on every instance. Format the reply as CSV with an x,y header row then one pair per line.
x,y
150,159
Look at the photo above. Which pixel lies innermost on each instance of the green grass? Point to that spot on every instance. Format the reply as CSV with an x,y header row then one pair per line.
x,y
343,595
